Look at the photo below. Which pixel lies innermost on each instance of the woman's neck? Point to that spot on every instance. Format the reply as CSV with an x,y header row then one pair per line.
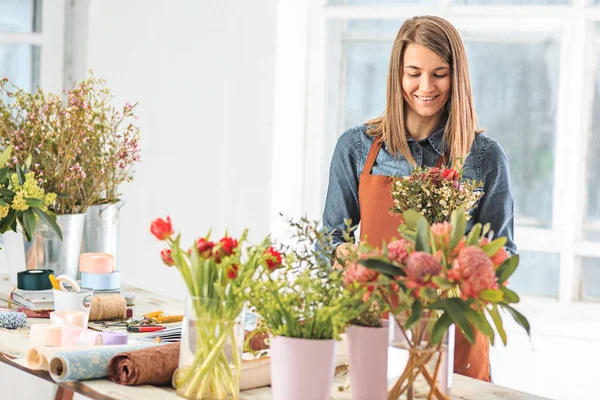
x,y
420,127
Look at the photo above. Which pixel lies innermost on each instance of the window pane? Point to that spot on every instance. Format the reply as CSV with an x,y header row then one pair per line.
x,y
537,274
591,279
592,223
514,84
20,15
21,64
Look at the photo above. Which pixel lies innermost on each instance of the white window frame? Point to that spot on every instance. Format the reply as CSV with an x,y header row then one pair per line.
x,y
565,237
51,41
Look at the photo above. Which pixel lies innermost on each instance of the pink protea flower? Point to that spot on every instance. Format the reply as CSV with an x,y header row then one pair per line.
x,y
397,250
358,273
456,251
419,266
441,233
474,271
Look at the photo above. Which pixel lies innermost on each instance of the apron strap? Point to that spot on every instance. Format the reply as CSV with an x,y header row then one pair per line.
x,y
373,151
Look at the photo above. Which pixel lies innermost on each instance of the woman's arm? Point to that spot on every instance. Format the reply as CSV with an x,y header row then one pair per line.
x,y
341,202
497,204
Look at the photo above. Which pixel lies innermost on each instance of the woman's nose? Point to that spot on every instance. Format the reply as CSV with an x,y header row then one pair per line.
x,y
426,84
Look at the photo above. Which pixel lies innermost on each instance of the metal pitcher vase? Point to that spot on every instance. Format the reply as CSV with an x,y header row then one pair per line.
x,y
101,229
47,251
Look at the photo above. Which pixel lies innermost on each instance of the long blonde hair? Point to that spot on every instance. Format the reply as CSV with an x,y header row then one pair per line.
x,y
439,36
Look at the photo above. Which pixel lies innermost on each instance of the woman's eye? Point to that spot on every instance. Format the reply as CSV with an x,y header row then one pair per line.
x,y
441,76
414,75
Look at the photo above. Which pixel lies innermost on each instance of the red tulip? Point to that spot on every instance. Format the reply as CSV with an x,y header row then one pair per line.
x,y
204,247
162,229
167,257
232,272
450,174
273,259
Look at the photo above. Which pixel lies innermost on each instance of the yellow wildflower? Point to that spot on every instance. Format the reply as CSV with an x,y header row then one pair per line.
x,y
49,199
3,211
19,203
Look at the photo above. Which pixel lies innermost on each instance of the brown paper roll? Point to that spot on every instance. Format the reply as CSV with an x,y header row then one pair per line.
x,y
154,366
105,307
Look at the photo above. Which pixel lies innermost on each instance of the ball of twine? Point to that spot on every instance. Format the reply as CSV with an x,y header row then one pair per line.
x,y
106,307
12,319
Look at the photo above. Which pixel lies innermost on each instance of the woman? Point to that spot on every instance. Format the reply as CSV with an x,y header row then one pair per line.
x,y
429,119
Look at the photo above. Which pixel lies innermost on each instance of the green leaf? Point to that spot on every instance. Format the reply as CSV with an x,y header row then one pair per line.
x,y
458,220
440,327
49,220
498,322
474,235
492,248
520,318
494,296
429,294
442,283
486,229
8,220
410,236
62,196
28,162
31,202
510,296
3,203
383,267
29,223
423,231
415,314
481,323
457,310
4,174
412,218
7,192
20,175
5,155
507,268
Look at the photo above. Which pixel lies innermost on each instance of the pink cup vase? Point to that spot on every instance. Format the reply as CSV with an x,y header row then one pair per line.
x,y
302,369
368,359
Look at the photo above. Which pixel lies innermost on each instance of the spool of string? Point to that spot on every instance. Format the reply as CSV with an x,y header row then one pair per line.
x,y
105,307
12,319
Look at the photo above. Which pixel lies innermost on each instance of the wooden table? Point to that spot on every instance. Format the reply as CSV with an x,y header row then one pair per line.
x,y
14,345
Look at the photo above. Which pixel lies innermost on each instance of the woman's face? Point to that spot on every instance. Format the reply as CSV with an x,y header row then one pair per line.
x,y
426,81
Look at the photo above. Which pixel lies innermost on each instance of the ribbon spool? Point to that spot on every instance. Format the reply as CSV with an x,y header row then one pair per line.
x,y
96,263
12,319
34,279
101,281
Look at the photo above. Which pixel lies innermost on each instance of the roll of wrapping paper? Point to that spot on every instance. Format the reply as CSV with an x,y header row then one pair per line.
x,y
107,307
153,366
102,338
81,365
34,279
38,357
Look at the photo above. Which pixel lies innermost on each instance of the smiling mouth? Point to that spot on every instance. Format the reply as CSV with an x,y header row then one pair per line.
x,y
426,98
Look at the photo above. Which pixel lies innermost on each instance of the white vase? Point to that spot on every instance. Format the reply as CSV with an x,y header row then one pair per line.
x,y
302,368
368,359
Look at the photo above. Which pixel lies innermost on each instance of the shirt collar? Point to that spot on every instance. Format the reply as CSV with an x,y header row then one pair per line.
x,y
436,140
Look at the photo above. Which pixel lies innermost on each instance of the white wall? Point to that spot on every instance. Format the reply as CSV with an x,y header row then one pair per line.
x,y
203,74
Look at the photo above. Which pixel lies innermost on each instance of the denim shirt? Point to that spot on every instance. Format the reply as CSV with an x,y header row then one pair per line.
x,y
485,162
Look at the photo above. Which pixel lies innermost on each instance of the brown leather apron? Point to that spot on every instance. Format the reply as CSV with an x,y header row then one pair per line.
x,y
375,201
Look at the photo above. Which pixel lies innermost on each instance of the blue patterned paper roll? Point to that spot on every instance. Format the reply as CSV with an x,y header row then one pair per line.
x,y
80,365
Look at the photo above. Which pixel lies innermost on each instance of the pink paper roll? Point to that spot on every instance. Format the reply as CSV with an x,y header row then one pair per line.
x,y
69,336
96,263
89,337
69,319
45,335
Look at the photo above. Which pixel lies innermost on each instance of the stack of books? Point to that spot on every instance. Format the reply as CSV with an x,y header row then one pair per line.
x,y
33,303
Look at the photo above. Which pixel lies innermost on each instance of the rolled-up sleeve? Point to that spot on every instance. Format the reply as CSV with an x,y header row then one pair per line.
x,y
497,204
342,193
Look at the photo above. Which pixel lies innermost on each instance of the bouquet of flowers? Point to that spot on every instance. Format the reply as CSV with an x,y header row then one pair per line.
x,y
442,278
435,193
22,201
217,275
82,148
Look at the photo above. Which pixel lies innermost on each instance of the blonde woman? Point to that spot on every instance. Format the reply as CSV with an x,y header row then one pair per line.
x,y
429,119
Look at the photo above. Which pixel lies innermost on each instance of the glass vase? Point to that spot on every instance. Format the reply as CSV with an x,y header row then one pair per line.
x,y
429,367
212,342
